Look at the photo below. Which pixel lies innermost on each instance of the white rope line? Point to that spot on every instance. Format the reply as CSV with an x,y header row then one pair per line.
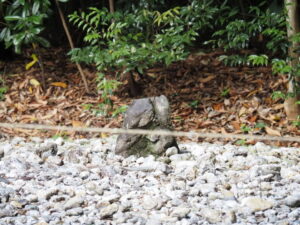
x,y
191,134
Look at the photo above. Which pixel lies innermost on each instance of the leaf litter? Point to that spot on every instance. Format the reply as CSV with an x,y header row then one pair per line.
x,y
204,95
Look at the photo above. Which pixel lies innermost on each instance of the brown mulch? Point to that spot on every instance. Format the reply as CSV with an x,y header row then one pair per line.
x,y
204,95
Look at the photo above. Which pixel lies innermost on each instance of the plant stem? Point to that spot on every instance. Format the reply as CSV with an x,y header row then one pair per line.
x,y
71,45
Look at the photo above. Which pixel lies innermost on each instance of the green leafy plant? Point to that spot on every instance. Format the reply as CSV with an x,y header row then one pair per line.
x,y
179,118
241,142
3,89
264,28
119,110
233,60
258,60
278,95
225,92
296,123
236,33
136,39
260,125
87,106
280,66
132,41
63,135
194,104
245,128
106,86
23,22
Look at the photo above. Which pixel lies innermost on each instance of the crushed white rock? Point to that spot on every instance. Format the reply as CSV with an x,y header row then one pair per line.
x,y
83,182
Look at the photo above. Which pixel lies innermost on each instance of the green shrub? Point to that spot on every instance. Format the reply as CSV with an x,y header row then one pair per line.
x,y
263,28
23,22
134,41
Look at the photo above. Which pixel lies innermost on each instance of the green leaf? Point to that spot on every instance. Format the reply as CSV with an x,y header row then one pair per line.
x,y
43,42
12,18
34,19
140,69
18,38
5,33
35,7
260,125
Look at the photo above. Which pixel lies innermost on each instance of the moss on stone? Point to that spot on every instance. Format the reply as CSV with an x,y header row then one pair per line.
x,y
143,147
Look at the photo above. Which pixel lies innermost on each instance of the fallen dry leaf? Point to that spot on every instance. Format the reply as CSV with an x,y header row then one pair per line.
x,y
77,123
252,119
34,61
59,84
236,125
243,111
34,82
218,106
207,79
104,135
223,130
272,132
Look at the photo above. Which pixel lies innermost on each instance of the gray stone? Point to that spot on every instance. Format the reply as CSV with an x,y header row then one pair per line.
x,y
205,189
6,210
264,170
1,153
147,113
293,200
108,210
94,187
153,222
74,212
18,204
228,195
211,215
172,151
288,173
257,204
119,218
46,151
181,157
76,156
111,198
46,194
180,212
32,198
3,180
230,217
149,202
5,194
73,202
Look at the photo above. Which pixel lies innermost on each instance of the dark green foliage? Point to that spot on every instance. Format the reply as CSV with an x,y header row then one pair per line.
x,y
23,22
140,38
234,60
3,88
258,26
137,38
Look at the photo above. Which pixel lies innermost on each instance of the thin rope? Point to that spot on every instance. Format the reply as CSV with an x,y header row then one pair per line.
x,y
191,134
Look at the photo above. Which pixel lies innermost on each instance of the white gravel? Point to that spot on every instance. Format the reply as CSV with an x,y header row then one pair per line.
x,y
83,182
